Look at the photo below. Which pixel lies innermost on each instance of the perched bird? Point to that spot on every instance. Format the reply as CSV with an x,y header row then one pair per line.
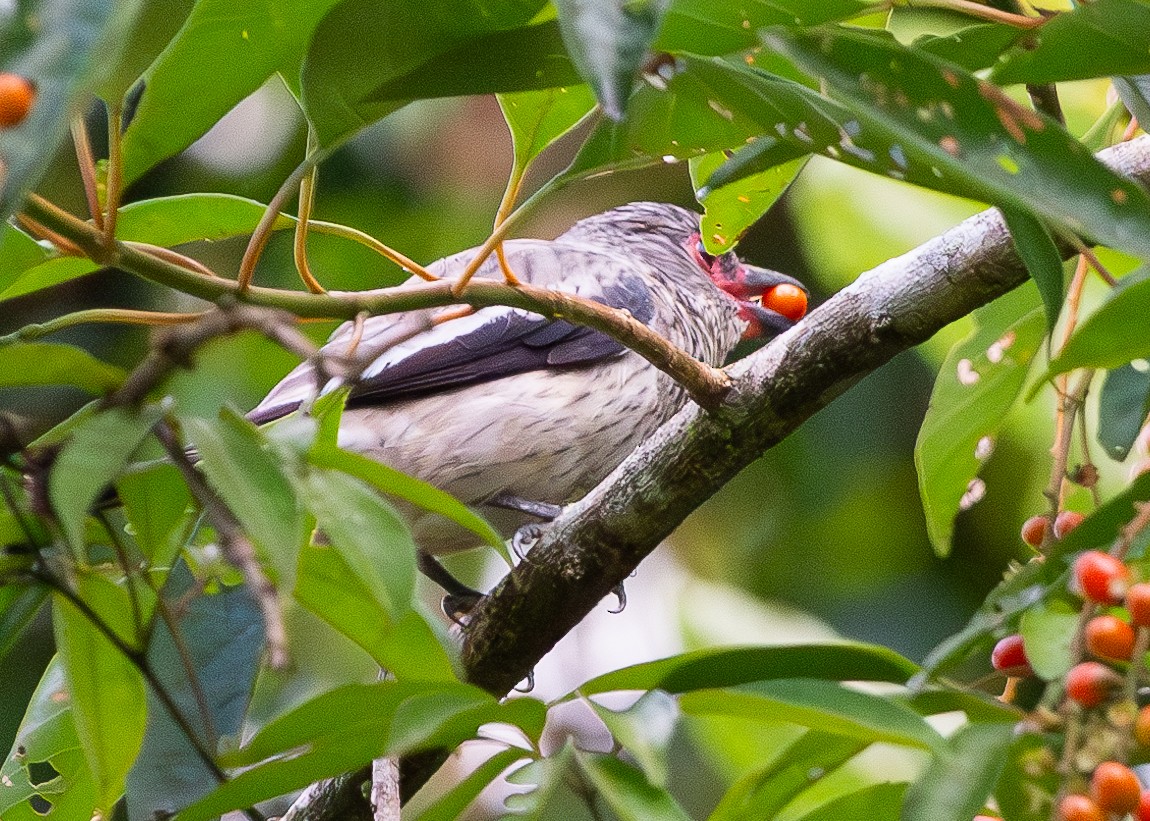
x,y
503,404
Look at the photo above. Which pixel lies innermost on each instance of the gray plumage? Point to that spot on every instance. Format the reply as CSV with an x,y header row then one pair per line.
x,y
504,401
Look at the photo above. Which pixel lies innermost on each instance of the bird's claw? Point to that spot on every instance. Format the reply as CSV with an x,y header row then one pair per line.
x,y
458,606
530,683
525,539
621,594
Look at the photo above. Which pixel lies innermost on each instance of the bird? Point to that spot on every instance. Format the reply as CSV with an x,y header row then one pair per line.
x,y
516,414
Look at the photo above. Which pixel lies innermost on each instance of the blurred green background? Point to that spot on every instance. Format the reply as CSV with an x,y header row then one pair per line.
x,y
829,522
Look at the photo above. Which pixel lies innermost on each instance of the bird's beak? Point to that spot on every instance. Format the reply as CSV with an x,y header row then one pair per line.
x,y
746,282
762,323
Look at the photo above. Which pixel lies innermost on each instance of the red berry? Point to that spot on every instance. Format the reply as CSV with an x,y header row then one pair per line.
x,y
16,98
1034,530
1101,577
1109,637
1090,683
1079,808
1142,727
1115,788
1138,603
1144,806
788,300
1065,522
1009,656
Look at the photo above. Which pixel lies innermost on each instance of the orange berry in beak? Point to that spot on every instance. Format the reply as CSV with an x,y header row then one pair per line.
x,y
788,300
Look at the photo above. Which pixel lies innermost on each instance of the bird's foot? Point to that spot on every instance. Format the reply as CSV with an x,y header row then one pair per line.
x,y
525,538
545,511
529,686
621,594
460,599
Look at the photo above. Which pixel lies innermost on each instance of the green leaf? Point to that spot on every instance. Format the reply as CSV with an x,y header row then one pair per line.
x,y
957,781
1035,245
241,467
730,210
977,385
93,456
348,727
730,666
1112,336
1135,95
156,24
407,648
223,637
48,734
342,92
400,485
1053,52
1048,630
1029,780
1101,527
879,802
1123,405
19,604
975,141
627,791
762,793
18,253
708,28
644,730
47,274
973,48
549,778
107,699
223,53
155,500
46,363
63,47
537,119
821,705
452,804
608,40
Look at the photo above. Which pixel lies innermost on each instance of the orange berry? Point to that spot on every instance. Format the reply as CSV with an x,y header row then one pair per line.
x,y
17,95
1009,656
1109,637
1115,788
1142,727
1079,808
1144,806
1034,530
788,300
1101,577
1138,603
1066,521
1090,683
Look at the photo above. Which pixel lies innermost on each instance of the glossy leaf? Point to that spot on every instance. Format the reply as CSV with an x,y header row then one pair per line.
x,y
980,143
238,47
730,210
47,274
1123,404
537,119
342,92
973,48
402,486
63,47
627,791
548,777
18,253
730,666
243,470
48,734
367,533
407,648
1048,630
99,448
222,634
452,804
607,41
821,705
348,727
156,23
957,781
644,730
1101,527
1115,29
763,793
155,501
977,385
1111,336
1135,95
708,28
19,604
879,802
107,699
1035,246
46,363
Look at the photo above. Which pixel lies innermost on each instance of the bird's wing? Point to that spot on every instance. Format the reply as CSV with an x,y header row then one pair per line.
x,y
489,344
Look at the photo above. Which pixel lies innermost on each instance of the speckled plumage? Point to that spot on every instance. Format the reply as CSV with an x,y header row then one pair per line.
x,y
551,433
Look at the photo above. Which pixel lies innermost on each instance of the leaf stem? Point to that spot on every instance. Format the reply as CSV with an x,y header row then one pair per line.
x,y
124,316
306,201
114,184
87,165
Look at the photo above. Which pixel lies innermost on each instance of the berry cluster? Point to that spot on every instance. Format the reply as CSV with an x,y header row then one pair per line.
x,y
1103,581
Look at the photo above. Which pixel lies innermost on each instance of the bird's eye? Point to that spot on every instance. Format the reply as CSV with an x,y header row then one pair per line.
x,y
707,258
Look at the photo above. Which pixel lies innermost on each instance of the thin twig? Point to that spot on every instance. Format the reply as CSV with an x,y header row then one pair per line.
x,y
263,230
306,201
174,257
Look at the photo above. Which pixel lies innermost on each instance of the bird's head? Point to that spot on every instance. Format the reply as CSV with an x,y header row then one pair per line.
x,y
769,302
